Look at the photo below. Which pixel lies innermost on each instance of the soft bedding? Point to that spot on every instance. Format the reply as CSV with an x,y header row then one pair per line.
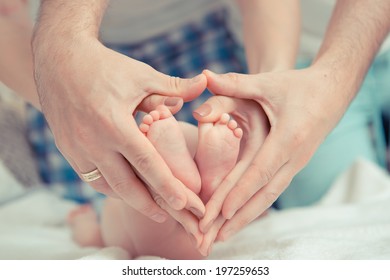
x,y
351,222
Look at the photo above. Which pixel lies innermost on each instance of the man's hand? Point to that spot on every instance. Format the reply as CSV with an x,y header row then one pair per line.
x,y
89,94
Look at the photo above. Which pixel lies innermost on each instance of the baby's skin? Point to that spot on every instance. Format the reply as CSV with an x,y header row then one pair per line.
x,y
200,157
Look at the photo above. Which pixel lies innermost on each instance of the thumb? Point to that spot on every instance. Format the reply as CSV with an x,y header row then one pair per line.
x,y
244,86
150,103
187,89
212,109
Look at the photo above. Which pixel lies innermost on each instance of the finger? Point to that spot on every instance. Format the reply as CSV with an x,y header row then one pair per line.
x,y
174,104
214,205
188,89
259,203
240,85
272,155
194,204
100,185
185,218
120,176
213,108
151,166
209,237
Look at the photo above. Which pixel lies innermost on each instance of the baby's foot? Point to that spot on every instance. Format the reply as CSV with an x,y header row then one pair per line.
x,y
164,132
218,148
85,227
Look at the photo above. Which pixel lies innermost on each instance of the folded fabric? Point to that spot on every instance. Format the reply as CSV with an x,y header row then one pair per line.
x,y
351,222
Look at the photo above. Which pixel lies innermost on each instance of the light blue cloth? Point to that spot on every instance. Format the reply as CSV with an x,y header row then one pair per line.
x,y
358,134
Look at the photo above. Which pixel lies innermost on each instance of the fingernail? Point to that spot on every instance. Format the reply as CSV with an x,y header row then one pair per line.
x,y
159,218
172,101
196,212
203,111
230,214
208,226
196,79
176,203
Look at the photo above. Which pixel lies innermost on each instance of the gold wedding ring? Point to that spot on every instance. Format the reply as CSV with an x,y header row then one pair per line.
x,y
91,176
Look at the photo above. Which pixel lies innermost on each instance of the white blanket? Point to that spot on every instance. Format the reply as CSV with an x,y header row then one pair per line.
x,y
351,222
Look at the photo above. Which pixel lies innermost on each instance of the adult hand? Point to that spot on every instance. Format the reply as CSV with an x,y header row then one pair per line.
x,y
89,95
302,107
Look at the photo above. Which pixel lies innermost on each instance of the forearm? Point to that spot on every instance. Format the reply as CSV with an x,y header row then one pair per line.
x,y
67,19
271,34
64,28
16,67
355,33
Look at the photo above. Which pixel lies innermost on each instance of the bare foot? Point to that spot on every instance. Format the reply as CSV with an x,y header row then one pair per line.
x,y
85,227
164,132
218,148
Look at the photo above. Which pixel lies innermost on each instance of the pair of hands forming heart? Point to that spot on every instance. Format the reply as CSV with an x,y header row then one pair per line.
x,y
255,126
299,120
91,117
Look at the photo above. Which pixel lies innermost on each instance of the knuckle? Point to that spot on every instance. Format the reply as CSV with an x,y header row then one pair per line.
x,y
121,186
174,83
232,76
100,186
143,162
264,173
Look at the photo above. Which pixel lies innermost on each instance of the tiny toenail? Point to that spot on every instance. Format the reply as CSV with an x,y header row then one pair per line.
x,y
203,110
172,101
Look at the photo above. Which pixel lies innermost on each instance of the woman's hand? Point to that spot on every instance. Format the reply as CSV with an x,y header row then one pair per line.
x,y
302,107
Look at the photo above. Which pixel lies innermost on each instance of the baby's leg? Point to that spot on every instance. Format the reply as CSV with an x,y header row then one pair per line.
x,y
220,140
140,236
218,149
164,132
85,227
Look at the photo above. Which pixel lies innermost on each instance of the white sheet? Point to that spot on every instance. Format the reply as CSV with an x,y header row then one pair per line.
x,y
351,222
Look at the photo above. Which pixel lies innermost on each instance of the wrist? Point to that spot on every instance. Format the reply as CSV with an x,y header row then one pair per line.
x,y
337,81
67,23
264,67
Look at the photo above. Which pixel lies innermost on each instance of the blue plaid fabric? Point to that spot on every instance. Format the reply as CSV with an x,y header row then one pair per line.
x,y
184,52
